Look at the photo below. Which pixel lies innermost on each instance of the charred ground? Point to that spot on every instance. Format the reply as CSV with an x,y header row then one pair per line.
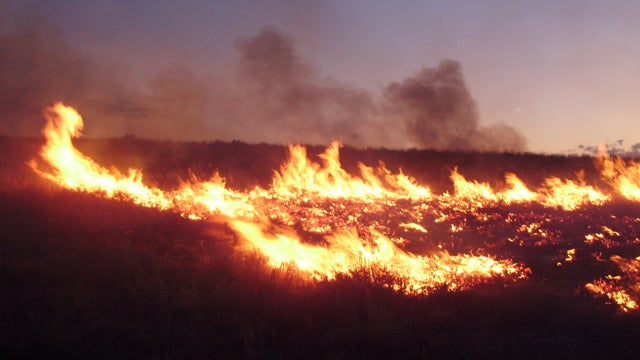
x,y
88,277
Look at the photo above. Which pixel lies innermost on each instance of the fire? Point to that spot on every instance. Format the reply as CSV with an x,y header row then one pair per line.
x,y
623,176
73,170
518,191
570,195
201,199
613,287
300,176
327,222
346,251
264,218
472,191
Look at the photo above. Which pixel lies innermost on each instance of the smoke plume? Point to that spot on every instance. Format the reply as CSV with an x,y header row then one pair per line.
x,y
284,98
439,113
273,96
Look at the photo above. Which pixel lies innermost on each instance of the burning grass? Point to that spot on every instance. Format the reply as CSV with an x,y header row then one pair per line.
x,y
324,257
88,277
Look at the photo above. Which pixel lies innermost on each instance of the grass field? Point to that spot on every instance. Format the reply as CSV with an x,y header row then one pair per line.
x,y
86,277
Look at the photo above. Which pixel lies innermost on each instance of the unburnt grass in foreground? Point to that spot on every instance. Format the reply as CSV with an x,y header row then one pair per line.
x,y
84,276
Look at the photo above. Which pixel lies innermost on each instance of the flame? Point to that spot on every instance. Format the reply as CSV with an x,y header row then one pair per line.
x,y
300,176
346,251
622,290
327,222
623,176
570,195
305,198
518,191
566,194
73,170
473,191
200,199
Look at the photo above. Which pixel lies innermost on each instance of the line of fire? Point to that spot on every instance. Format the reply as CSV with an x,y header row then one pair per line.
x,y
327,222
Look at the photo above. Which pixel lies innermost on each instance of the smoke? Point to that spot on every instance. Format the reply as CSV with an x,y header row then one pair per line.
x,y
273,96
36,68
439,113
285,99
39,67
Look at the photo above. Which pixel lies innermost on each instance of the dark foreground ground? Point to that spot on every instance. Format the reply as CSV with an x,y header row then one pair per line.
x,y
83,277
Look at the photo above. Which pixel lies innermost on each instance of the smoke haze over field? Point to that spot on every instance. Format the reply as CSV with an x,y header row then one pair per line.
x,y
39,67
272,95
367,72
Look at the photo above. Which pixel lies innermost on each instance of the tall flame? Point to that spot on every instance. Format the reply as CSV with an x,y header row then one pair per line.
x,y
301,176
73,170
623,176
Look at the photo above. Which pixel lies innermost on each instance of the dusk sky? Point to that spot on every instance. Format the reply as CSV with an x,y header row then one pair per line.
x,y
563,73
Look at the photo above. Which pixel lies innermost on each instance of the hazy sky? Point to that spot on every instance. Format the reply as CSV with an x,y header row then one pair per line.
x,y
562,72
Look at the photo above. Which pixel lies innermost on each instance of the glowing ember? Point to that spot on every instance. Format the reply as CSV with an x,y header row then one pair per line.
x,y
623,290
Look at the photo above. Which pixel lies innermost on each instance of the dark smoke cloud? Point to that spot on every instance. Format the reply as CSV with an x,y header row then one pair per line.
x,y
286,100
439,113
290,102
274,96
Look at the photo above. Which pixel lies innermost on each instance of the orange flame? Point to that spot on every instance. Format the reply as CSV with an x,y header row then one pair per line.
x,y
623,176
322,198
473,191
613,287
346,251
251,215
518,191
300,176
73,170
570,195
